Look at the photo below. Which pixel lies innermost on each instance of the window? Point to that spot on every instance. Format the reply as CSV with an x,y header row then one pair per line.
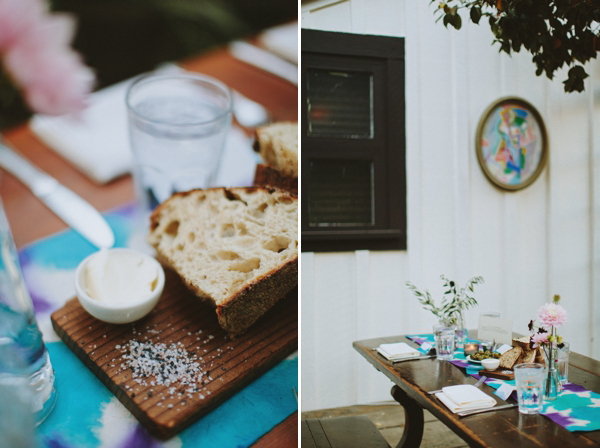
x,y
353,142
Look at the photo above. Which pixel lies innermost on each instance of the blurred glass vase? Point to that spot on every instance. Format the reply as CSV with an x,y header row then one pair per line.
x,y
19,333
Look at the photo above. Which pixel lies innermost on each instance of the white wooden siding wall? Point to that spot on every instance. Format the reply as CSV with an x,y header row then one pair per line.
x,y
527,245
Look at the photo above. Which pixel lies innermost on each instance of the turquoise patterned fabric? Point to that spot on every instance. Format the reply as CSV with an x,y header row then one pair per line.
x,y
86,412
575,409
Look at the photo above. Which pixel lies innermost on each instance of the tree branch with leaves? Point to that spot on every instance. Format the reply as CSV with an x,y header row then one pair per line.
x,y
557,33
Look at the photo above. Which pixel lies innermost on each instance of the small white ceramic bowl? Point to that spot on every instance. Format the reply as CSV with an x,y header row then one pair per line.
x,y
490,363
118,314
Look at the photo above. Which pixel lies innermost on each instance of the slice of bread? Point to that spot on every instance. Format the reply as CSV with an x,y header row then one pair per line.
x,y
265,176
277,144
539,356
527,356
522,342
510,357
235,247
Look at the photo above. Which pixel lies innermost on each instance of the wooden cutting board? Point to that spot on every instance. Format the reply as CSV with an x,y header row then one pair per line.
x,y
179,317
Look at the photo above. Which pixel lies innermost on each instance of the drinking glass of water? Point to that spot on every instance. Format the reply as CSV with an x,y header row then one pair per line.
x,y
562,362
530,387
178,124
19,334
444,341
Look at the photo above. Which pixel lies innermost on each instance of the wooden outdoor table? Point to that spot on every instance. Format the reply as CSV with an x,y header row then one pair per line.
x,y
503,428
31,220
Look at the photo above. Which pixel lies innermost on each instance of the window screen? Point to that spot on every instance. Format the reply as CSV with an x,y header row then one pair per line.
x,y
340,104
341,193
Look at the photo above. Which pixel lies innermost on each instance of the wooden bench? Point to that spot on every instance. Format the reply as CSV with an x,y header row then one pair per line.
x,y
341,432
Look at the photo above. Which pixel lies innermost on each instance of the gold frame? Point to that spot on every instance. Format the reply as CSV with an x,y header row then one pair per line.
x,y
543,135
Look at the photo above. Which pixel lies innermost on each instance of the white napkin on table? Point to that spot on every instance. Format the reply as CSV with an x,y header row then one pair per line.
x,y
397,351
97,141
282,40
465,397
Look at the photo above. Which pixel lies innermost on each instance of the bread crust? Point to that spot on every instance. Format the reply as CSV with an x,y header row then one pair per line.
x,y
268,177
245,307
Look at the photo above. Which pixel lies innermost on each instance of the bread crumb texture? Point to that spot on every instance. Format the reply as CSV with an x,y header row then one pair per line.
x,y
222,241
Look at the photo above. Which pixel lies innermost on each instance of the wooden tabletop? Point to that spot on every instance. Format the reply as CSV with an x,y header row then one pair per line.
x,y
31,220
413,379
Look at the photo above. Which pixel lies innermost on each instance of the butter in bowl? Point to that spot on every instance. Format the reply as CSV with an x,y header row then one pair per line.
x,y
119,285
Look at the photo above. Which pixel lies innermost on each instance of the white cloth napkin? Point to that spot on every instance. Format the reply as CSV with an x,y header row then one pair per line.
x,y
97,140
397,351
282,40
465,397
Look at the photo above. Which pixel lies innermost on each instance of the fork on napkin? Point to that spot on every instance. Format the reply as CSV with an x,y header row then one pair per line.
x,y
465,397
397,351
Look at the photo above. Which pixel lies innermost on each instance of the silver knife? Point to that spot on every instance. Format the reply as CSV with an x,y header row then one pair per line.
x,y
69,207
264,60
481,411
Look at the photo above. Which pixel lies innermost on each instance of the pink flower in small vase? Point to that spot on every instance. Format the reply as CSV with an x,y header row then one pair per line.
x,y
539,338
552,314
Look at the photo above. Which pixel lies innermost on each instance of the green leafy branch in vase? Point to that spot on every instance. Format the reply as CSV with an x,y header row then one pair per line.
x,y
454,302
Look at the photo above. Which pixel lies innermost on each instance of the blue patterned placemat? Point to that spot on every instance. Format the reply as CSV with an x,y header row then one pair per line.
x,y
87,414
575,409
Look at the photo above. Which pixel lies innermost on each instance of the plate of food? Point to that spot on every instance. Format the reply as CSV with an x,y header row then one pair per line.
x,y
474,361
476,358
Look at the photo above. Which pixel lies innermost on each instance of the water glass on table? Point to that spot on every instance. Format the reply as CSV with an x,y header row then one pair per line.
x,y
20,336
562,362
444,341
178,124
530,387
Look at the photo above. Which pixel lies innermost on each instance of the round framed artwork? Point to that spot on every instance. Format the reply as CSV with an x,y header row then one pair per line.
x,y
511,143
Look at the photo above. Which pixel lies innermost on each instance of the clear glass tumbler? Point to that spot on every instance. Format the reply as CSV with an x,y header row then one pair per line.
x,y
19,333
530,387
178,124
562,362
444,341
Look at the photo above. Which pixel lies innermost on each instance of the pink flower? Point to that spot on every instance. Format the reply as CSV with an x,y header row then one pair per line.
x,y
16,18
36,54
539,338
552,314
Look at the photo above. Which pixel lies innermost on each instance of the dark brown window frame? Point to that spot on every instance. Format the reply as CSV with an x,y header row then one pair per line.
x,y
385,55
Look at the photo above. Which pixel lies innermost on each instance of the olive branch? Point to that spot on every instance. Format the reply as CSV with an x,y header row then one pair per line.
x,y
454,302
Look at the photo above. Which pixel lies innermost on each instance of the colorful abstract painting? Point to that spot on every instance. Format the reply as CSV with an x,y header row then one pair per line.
x,y
511,143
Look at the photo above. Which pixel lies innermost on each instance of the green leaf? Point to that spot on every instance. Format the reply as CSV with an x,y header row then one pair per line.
x,y
447,18
475,14
456,21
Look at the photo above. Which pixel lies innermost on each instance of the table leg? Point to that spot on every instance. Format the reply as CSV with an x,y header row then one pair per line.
x,y
413,419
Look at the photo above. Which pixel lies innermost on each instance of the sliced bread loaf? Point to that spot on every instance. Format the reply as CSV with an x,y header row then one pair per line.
x,y
277,143
265,176
527,356
236,247
510,357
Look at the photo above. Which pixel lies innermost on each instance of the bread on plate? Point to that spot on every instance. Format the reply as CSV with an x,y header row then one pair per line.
x,y
235,247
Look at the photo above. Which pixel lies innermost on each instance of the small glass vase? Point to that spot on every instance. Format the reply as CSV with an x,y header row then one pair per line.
x,y
462,334
552,384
